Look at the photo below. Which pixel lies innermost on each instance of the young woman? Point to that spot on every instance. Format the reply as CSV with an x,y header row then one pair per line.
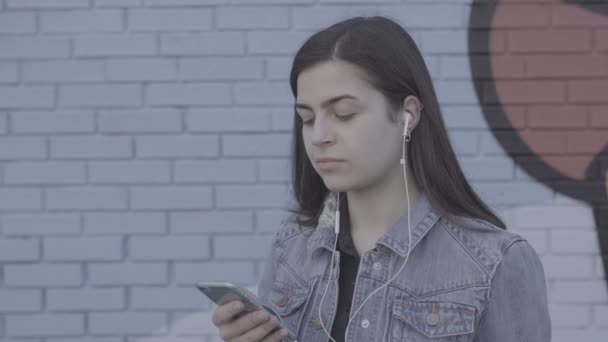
x,y
413,254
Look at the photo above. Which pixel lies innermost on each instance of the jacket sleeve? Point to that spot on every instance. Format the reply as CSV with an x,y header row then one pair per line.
x,y
517,309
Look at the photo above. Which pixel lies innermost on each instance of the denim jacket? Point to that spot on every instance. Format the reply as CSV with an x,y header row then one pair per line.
x,y
464,280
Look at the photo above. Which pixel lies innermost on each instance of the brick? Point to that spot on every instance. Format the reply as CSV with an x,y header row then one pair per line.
x,y
169,248
165,198
16,148
83,249
568,267
84,339
90,147
186,146
228,120
570,316
560,66
197,323
268,221
43,4
168,19
425,16
45,173
443,42
85,299
124,223
220,69
516,16
127,323
188,94
588,91
600,311
45,325
17,23
316,18
98,45
574,242
249,247
128,274
232,221
47,275
263,94
282,119
251,196
527,92
3,123
238,272
568,15
553,216
275,170
20,300
456,92
53,122
26,97
34,47
239,171
9,72
140,121
266,2
601,40
278,68
513,193
587,142
20,199
464,117
63,71
115,95
86,198
172,3
250,145
488,168
40,224
556,117
581,291
562,40
599,119
165,298
252,17
118,3
464,143
130,172
266,42
99,20
204,43
15,249
141,69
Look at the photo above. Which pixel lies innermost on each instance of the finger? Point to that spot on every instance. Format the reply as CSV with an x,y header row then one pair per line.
x,y
226,312
276,336
260,331
246,323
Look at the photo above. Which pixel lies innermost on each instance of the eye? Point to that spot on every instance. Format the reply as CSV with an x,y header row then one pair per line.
x,y
345,117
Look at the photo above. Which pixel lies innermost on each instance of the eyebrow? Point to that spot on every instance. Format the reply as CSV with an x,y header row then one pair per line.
x,y
328,102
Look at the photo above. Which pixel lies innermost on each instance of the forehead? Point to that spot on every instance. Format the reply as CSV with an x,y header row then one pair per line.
x,y
329,79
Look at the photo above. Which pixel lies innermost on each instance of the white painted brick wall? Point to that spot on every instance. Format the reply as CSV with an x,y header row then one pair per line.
x,y
144,145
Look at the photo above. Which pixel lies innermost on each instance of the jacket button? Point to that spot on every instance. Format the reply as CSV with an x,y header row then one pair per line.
x,y
316,323
432,318
283,301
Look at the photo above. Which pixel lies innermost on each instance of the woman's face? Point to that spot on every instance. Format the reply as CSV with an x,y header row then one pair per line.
x,y
345,118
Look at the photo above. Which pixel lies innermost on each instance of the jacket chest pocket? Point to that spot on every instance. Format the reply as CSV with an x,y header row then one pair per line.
x,y
288,303
416,321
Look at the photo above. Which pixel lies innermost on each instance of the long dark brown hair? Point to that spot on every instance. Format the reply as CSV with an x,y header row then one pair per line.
x,y
393,65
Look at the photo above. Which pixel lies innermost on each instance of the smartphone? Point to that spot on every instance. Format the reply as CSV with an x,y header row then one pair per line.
x,y
224,292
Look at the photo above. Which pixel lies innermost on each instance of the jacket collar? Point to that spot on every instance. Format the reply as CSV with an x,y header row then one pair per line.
x,y
422,218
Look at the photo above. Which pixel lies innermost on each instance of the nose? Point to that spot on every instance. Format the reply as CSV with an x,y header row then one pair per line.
x,y
322,132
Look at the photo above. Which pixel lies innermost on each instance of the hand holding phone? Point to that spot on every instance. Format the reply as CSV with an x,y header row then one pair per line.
x,y
240,314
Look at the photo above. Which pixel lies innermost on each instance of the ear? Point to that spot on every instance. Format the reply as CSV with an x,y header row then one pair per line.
x,y
413,105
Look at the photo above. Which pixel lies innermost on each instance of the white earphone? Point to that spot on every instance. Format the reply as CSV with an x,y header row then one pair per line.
x,y
407,116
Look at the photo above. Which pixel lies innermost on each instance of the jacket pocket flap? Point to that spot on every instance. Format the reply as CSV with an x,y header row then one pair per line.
x,y
436,319
285,298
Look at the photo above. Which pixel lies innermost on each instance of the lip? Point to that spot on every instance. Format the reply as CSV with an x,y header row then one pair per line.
x,y
326,160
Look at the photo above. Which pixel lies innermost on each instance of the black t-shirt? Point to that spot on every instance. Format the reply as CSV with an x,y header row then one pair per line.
x,y
349,266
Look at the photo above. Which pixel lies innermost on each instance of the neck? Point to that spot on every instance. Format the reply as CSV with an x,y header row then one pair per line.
x,y
373,210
